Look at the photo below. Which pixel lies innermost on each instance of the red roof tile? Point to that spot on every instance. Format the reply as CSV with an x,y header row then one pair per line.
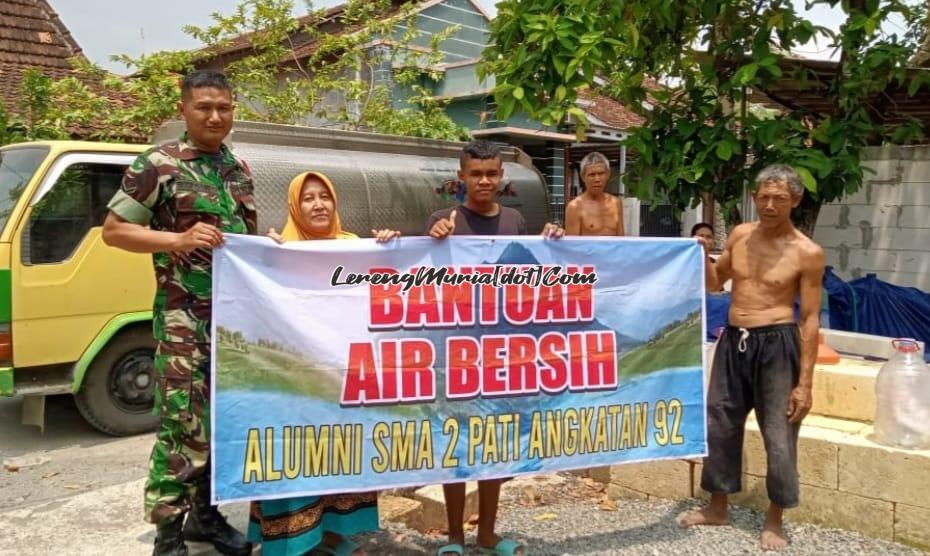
x,y
31,33
33,37
610,111
243,42
301,44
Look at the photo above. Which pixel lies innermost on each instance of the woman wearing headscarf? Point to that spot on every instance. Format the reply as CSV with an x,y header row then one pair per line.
x,y
312,214
314,524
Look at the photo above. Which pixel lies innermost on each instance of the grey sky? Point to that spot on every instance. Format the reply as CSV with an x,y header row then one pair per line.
x,y
107,27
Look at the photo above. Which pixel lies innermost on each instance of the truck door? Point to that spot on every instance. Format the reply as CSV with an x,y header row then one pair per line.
x,y
69,284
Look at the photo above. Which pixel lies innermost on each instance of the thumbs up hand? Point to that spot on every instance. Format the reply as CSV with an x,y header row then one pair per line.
x,y
444,227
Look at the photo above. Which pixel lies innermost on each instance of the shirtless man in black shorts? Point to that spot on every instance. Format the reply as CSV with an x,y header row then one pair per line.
x,y
764,360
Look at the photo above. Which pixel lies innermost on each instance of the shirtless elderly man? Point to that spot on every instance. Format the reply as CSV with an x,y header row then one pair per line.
x,y
595,212
764,361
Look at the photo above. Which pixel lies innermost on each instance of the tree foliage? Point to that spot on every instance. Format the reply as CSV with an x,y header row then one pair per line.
x,y
348,80
702,139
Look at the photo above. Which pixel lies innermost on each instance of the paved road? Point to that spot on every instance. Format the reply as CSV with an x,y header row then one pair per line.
x,y
64,427
68,458
76,491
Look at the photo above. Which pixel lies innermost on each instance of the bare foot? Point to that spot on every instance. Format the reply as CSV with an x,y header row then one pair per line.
x,y
704,516
773,536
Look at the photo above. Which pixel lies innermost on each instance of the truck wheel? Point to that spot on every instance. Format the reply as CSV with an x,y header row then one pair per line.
x,y
119,388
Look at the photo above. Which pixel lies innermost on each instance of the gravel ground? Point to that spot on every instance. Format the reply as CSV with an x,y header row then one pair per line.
x,y
556,524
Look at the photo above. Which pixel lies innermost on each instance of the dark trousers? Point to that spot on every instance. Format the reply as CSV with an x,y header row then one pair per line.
x,y
754,368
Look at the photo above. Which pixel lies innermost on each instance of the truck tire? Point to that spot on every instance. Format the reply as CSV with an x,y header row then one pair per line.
x,y
119,387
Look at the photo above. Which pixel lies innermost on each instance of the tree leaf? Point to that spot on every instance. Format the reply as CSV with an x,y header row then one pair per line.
x,y
774,70
746,74
837,142
919,81
807,179
506,106
817,160
572,67
634,35
686,128
775,20
724,152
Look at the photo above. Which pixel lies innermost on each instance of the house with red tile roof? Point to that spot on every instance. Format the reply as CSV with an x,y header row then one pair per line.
x,y
31,36
555,152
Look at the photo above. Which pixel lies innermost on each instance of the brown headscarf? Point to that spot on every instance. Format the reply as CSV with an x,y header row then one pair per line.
x,y
296,229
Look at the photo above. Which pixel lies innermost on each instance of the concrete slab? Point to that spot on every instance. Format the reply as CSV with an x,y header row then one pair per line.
x,y
843,426
859,344
599,474
847,481
664,479
846,390
107,521
434,505
822,506
843,510
912,526
885,473
398,509
620,492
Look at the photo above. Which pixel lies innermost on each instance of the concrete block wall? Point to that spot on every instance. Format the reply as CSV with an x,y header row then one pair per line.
x,y
847,391
884,228
847,481
631,215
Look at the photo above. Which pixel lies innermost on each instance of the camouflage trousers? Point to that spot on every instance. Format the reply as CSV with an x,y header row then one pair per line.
x,y
178,470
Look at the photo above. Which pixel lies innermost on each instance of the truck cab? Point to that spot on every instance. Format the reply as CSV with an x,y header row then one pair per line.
x,y
75,314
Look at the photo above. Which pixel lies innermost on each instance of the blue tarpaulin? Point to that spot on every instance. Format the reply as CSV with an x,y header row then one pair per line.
x,y
718,305
872,306
867,305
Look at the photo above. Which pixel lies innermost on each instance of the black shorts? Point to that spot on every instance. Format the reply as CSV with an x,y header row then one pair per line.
x,y
754,368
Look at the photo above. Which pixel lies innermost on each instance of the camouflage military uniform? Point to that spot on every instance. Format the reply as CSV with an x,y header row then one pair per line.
x,y
170,188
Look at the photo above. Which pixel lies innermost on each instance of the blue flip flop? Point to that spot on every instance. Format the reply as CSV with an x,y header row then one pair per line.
x,y
506,547
454,548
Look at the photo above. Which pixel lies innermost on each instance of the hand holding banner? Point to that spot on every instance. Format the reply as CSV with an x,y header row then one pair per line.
x,y
348,366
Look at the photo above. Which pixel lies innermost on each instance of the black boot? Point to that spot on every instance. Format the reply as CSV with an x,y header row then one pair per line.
x,y
206,524
169,541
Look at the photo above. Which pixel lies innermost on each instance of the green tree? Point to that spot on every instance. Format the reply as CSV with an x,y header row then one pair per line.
x,y
11,129
702,140
95,104
37,108
338,81
335,83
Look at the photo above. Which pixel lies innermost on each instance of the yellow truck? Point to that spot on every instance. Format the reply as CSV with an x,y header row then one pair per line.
x,y
75,314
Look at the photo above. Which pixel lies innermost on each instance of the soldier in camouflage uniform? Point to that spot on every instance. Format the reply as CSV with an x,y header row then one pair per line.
x,y
189,193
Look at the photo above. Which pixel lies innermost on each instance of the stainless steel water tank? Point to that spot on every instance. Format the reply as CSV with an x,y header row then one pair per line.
x,y
383,181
